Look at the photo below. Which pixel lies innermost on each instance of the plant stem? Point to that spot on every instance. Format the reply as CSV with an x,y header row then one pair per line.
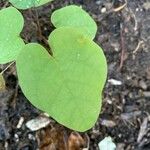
x,y
40,34
7,67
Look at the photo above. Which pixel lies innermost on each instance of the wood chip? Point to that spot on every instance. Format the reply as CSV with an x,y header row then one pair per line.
x,y
38,123
146,5
21,120
143,130
114,82
130,115
108,123
121,7
146,93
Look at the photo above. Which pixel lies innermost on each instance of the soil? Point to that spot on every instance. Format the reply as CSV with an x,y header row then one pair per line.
x,y
123,33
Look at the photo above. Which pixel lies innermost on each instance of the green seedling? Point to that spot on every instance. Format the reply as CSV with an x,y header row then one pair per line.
x,y
25,4
11,24
68,84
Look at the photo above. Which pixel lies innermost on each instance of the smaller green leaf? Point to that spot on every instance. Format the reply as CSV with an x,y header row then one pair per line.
x,y
25,4
42,2
2,83
11,24
74,16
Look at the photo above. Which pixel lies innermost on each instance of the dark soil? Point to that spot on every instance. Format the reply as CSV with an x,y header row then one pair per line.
x,y
124,36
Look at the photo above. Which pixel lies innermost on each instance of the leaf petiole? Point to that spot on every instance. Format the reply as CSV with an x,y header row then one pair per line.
x,y
7,67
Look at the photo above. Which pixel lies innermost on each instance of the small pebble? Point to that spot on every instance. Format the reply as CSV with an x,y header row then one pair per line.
x,y
16,137
142,84
146,5
114,82
98,2
108,123
38,123
137,9
103,10
20,122
146,93
31,137
107,143
120,146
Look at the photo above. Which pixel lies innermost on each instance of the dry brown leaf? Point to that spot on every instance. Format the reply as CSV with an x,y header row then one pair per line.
x,y
2,83
52,139
75,141
59,138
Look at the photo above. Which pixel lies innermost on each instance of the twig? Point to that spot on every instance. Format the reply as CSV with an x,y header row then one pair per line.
x,y
88,140
120,7
136,49
38,23
40,33
138,46
135,21
65,140
122,49
7,67
15,96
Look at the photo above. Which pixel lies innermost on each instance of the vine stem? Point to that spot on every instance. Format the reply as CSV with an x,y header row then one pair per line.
x,y
40,33
7,67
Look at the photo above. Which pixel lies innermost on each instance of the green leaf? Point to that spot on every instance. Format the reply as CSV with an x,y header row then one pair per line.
x,y
11,24
74,16
25,4
68,85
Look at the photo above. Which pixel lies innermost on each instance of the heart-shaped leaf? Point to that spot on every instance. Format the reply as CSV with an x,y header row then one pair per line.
x,y
68,85
11,24
25,4
74,16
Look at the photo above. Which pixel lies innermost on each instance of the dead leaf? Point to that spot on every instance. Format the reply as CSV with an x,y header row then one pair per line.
x,y
59,138
51,138
2,83
75,141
